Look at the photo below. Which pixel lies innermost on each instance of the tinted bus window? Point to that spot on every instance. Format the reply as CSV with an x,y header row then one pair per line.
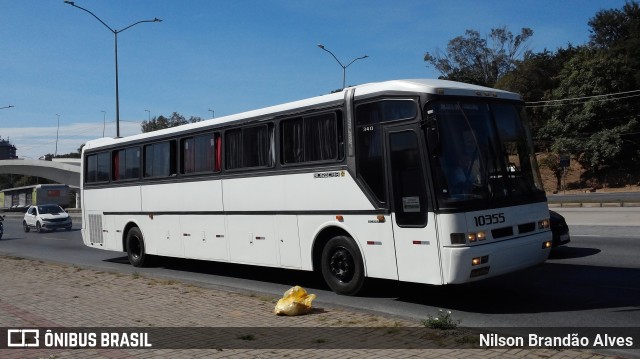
x,y
201,153
250,147
97,168
159,159
314,138
385,111
126,164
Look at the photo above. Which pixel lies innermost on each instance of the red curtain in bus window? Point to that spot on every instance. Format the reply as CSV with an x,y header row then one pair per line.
x,y
218,156
116,166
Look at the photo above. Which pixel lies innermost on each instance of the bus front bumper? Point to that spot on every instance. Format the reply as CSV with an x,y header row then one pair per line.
x,y
472,263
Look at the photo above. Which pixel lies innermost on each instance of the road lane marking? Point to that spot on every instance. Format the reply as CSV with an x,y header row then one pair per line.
x,y
56,238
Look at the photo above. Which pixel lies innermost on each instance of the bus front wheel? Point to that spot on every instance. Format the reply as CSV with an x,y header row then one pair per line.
x,y
135,247
342,266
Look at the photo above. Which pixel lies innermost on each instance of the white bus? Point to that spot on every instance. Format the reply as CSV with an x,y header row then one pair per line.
x,y
424,181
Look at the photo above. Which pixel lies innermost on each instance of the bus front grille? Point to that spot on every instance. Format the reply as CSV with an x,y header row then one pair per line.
x,y
95,229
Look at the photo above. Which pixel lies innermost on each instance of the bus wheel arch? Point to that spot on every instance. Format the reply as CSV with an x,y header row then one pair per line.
x,y
338,258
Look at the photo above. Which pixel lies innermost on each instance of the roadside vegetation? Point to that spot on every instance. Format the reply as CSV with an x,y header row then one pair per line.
x,y
582,100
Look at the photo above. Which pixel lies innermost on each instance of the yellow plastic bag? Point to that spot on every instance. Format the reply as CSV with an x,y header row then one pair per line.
x,y
296,301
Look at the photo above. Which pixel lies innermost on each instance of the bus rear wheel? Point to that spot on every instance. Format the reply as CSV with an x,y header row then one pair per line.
x,y
135,248
342,266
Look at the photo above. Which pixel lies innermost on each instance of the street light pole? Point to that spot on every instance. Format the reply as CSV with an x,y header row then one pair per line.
x,y
213,114
149,115
344,68
115,35
10,106
57,132
104,121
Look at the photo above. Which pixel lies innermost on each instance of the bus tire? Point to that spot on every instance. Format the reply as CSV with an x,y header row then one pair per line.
x,y
135,248
342,266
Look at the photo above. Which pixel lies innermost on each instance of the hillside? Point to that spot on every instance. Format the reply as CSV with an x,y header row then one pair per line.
x,y
613,181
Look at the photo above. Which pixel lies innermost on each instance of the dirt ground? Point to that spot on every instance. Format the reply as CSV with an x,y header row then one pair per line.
x,y
572,181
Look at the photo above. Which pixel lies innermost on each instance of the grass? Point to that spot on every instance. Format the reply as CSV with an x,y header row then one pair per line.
x,y
444,321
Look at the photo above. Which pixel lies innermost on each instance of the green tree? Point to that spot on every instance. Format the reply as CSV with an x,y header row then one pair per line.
x,y
161,122
601,131
618,31
482,61
534,77
598,130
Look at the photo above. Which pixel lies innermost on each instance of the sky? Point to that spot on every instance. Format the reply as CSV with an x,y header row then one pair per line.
x,y
211,58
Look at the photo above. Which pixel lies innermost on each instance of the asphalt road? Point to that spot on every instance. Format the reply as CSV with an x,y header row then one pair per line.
x,y
600,197
592,282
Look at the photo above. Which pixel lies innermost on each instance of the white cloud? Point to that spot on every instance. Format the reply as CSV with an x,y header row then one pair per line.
x,y
34,142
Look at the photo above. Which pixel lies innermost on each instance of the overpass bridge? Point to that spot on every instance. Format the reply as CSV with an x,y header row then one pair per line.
x,y
61,170
65,171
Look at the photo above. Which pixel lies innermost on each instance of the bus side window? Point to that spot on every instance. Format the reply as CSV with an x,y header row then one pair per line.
x,y
250,147
407,179
159,159
201,154
126,164
292,133
233,148
370,159
369,149
103,167
91,169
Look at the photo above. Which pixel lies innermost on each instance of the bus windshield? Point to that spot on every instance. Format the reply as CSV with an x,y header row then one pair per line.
x,y
484,153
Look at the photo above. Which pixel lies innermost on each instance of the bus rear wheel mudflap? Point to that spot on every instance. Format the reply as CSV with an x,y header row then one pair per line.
x,y
135,248
342,266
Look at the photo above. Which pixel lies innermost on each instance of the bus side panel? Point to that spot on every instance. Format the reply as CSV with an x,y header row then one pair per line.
x,y
373,237
322,191
418,252
252,239
187,196
108,229
251,236
204,237
309,226
178,235
273,240
288,241
162,235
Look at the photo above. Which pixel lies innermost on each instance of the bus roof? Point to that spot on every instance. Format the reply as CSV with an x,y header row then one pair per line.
x,y
430,86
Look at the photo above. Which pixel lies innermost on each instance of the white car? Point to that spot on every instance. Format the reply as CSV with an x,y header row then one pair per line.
x,y
46,217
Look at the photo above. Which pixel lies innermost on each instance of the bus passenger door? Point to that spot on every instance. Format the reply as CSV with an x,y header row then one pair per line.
x,y
414,228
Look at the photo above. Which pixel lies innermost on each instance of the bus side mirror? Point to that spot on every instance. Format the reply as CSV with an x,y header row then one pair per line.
x,y
433,141
430,126
432,133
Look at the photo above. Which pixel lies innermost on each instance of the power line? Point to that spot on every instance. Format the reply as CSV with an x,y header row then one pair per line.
x,y
583,102
585,97
605,97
